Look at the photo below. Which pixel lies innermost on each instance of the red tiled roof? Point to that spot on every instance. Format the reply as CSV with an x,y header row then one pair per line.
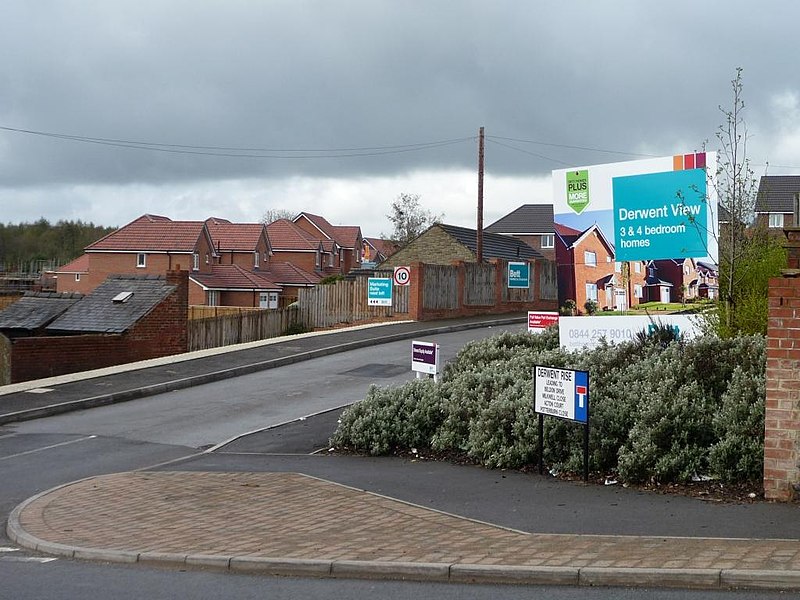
x,y
288,274
234,277
243,237
151,233
79,265
344,235
568,234
285,235
385,247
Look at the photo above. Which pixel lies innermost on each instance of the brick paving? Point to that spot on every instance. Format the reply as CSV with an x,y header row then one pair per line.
x,y
294,516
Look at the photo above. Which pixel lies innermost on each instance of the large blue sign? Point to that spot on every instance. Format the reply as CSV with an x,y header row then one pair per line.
x,y
519,275
661,215
379,291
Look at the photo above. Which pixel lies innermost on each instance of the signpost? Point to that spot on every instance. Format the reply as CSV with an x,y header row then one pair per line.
x,y
425,359
562,393
379,291
519,275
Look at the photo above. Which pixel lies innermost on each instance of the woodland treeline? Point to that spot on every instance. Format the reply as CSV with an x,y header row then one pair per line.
x,y
33,247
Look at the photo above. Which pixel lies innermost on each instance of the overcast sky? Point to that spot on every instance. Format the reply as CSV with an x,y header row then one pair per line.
x,y
198,108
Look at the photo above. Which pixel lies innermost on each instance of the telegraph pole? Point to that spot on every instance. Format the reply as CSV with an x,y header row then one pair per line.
x,y
479,249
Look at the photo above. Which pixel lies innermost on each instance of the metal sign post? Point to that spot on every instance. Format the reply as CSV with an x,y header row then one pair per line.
x,y
562,393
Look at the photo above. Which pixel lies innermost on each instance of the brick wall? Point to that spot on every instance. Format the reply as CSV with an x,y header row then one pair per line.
x,y
162,332
782,411
418,312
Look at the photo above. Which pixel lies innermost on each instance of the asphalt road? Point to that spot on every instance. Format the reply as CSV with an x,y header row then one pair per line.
x,y
37,455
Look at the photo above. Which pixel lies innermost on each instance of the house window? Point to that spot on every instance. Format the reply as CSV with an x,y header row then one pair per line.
x,y
141,260
256,258
195,261
591,291
213,297
330,262
637,267
77,276
617,267
317,260
590,259
548,240
776,220
637,290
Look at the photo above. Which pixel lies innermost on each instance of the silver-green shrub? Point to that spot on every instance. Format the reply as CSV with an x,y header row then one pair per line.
x,y
659,410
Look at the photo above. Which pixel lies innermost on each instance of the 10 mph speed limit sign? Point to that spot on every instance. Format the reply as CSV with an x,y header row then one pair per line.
x,y
402,275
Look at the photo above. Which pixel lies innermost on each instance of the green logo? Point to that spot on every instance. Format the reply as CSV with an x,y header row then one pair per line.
x,y
578,190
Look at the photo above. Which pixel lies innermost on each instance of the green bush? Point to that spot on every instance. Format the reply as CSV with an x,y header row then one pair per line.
x,y
660,409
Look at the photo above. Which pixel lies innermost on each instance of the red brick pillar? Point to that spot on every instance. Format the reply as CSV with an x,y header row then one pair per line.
x,y
782,411
416,282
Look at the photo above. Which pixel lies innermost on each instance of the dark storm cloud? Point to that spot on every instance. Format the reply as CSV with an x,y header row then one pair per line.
x,y
631,76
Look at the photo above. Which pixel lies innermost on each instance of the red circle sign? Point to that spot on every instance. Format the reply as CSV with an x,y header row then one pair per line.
x,y
402,275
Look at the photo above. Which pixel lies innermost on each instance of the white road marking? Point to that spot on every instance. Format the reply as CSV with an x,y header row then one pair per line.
x,y
8,435
91,437
34,559
7,549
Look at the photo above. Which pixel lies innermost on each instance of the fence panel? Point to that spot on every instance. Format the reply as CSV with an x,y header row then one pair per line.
x,y
239,327
548,281
479,284
440,289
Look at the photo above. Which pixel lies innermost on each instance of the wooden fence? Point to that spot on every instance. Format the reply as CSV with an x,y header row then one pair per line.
x,y
440,288
198,311
346,302
239,327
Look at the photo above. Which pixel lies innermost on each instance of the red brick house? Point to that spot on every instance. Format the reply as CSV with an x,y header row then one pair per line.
x,y
292,244
347,241
531,223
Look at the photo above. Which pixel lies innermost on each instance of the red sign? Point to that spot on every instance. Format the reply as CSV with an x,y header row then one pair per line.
x,y
537,321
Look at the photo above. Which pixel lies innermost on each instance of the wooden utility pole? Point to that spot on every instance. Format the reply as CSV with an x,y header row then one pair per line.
x,y
479,249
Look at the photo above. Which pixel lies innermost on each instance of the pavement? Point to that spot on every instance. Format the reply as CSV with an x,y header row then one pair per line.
x,y
329,516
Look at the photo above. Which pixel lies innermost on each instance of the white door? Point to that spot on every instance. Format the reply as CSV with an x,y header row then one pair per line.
x,y
664,294
263,300
273,300
620,300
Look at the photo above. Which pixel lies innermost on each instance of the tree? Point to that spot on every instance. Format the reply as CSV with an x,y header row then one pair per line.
x,y
274,214
747,257
409,219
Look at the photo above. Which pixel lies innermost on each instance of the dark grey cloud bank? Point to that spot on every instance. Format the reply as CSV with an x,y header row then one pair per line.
x,y
639,77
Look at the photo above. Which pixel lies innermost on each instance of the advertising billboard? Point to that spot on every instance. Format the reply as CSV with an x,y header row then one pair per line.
x,y
637,231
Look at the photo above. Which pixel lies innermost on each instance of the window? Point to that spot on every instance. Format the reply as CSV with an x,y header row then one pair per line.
x,y
548,240
317,260
637,290
776,220
637,267
141,260
591,291
213,297
256,258
77,276
617,267
330,262
590,259
195,261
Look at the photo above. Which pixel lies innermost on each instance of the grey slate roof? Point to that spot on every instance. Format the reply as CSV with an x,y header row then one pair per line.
x,y
36,309
97,313
528,218
776,193
494,244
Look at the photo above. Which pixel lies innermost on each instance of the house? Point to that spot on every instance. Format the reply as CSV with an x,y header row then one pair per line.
x,y
347,240
291,278
233,285
376,250
292,244
72,276
442,244
149,245
587,270
775,202
243,244
531,223
126,318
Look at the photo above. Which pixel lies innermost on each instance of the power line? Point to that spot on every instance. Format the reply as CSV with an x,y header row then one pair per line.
x,y
588,148
542,156
237,152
